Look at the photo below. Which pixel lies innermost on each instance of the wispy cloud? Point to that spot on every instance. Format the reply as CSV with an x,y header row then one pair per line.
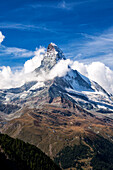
x,y
70,5
98,44
15,52
64,5
94,48
26,27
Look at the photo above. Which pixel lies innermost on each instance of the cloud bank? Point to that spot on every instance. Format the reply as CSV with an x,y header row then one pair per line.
x,y
95,71
35,62
10,79
98,72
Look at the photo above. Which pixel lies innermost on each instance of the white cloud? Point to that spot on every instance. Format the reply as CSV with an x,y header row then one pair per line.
x,y
17,78
98,72
10,79
35,62
80,67
1,37
60,69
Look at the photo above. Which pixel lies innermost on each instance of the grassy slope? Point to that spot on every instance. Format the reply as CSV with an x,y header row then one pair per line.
x,y
53,129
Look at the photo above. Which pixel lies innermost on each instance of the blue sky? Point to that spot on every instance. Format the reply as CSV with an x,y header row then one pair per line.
x,y
83,29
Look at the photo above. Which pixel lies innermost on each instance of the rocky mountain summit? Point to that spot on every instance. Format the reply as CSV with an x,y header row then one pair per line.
x,y
52,56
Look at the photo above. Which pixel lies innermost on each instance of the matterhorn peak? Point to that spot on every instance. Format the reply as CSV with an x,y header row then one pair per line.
x,y
51,47
52,44
54,49
51,57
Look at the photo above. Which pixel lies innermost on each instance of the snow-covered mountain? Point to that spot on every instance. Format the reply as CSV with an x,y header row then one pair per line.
x,y
62,112
71,86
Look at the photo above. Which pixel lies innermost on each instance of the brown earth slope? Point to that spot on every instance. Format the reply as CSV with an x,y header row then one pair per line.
x,y
58,125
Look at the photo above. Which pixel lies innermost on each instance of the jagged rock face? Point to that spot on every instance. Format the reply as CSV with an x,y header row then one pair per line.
x,y
53,48
52,56
50,48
